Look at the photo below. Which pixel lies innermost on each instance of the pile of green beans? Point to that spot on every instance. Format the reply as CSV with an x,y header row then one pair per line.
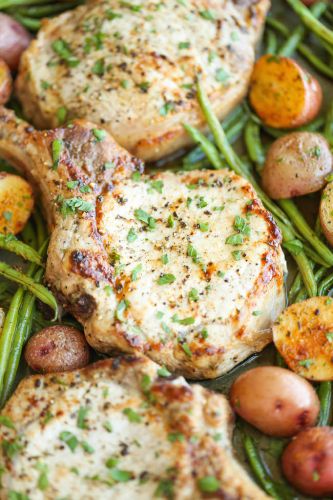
x,y
30,12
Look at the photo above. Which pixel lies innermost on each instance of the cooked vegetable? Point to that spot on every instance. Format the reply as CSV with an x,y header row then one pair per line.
x,y
297,164
303,335
5,82
311,22
16,203
12,244
275,401
14,39
57,348
326,212
283,94
307,462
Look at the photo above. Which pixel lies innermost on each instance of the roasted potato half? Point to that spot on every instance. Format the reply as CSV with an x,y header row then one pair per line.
x,y
6,82
297,164
303,335
326,212
283,94
16,203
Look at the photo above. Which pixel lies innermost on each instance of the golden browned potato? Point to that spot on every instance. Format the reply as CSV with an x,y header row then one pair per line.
x,y
307,462
283,94
6,82
303,335
326,212
275,400
57,348
16,203
297,164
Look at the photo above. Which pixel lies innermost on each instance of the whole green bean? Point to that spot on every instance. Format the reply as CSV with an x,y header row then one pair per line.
x,y
37,289
314,126
325,397
232,159
29,235
257,467
325,285
28,22
40,228
6,4
328,129
44,10
272,42
12,244
302,226
253,145
21,336
291,44
314,256
295,288
310,21
8,331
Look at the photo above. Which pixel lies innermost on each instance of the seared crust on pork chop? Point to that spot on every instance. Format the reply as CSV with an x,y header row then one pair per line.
x,y
131,67
186,268
119,429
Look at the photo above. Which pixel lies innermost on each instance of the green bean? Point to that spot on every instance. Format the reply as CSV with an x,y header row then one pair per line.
x,y
253,145
29,235
21,336
310,21
12,244
45,10
295,215
325,285
40,227
307,274
257,467
208,147
295,288
8,331
28,22
328,129
309,252
325,397
272,43
291,44
6,4
232,159
314,126
38,290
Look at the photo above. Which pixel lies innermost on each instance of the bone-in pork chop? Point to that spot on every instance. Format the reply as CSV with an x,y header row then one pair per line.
x,y
130,67
186,268
119,429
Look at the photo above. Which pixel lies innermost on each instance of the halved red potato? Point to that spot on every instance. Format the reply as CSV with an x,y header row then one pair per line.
x,y
326,212
283,94
303,335
297,164
6,82
14,39
16,203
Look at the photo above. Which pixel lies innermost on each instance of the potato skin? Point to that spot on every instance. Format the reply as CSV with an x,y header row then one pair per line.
x,y
283,94
6,82
275,401
326,211
296,164
14,39
57,348
307,462
16,203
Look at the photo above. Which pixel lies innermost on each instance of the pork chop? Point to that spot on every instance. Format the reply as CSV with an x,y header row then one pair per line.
x,y
119,429
184,267
130,67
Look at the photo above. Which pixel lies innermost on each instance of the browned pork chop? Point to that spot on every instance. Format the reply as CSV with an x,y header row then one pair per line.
x,y
131,67
119,429
186,268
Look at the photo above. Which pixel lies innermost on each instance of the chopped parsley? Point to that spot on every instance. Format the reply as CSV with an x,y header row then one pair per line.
x,y
99,67
131,236
166,108
203,226
184,45
306,363
136,272
132,415
235,239
329,336
87,447
62,115
121,308
107,426
81,421
176,436
11,448
69,439
237,254
193,295
120,476
221,75
63,50
171,221
7,422
72,205
207,14
241,225
99,134
143,216
186,349
57,148
166,279
208,484
165,259
157,186
163,372
43,481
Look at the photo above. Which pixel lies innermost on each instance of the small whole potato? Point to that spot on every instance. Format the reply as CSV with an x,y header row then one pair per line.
x,y
296,164
307,462
57,348
6,82
275,400
14,39
16,203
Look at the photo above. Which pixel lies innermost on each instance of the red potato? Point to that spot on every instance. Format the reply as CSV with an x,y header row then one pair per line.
x,y
6,82
283,94
275,401
57,348
14,39
308,3
297,164
307,462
